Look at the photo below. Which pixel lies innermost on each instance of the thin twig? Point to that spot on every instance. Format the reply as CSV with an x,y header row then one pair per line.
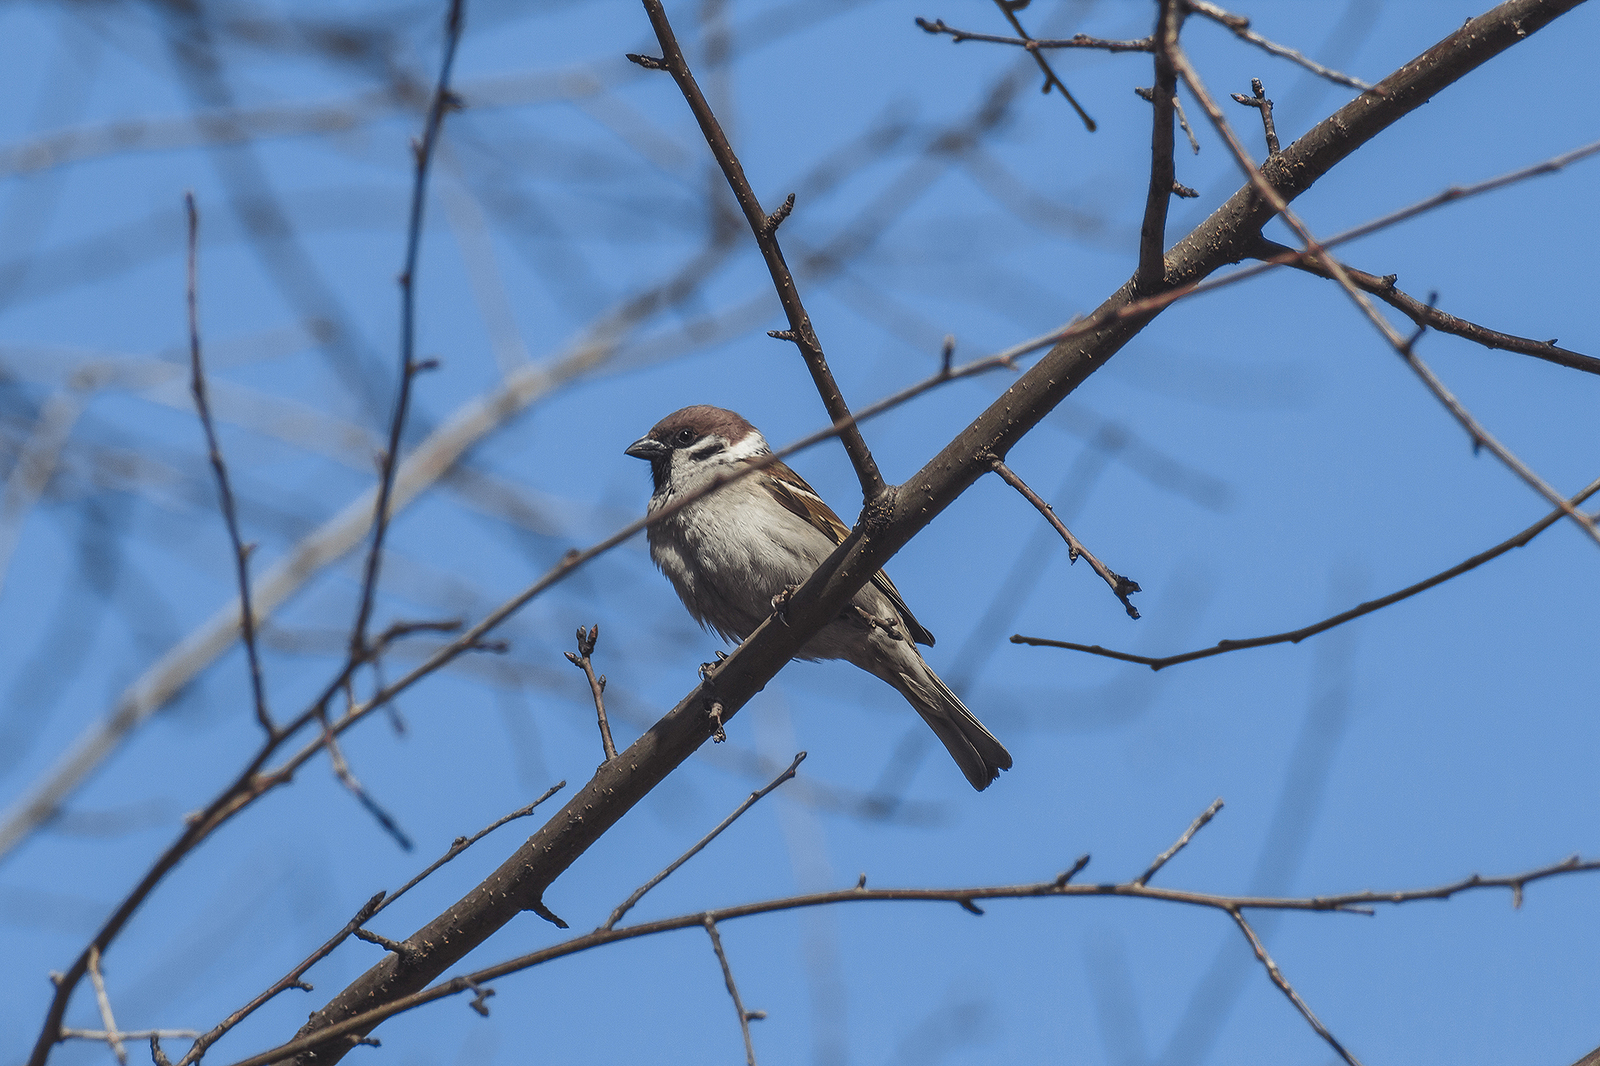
x,y
745,1016
1009,8
1351,903
1179,844
1422,314
1122,587
230,514
1033,44
1295,636
597,685
443,100
101,1036
461,844
1286,988
113,1037
1480,436
1260,102
1240,26
347,778
750,801
292,979
765,229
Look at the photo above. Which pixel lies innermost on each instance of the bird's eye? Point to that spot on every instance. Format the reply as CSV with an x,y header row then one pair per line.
x,y
684,437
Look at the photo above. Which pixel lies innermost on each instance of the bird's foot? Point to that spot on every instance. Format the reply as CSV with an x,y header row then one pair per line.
x,y
706,668
714,711
780,603
891,626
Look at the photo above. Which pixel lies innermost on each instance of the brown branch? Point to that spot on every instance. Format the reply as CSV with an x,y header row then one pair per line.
x,y
1286,988
765,229
1260,102
443,100
1151,275
312,1044
230,514
745,1016
1121,587
1295,636
597,685
1009,9
1179,844
1424,315
1480,436
292,979
750,801
1240,25
522,879
1034,44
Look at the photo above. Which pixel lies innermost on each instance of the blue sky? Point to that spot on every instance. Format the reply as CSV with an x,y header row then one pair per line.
x,y
1257,459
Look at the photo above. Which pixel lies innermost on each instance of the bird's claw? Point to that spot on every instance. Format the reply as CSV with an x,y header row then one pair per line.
x,y
780,603
706,668
891,626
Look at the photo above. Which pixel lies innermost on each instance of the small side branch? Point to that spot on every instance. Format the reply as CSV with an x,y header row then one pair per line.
x,y
1034,44
597,684
1009,9
348,779
1260,102
1179,844
1240,25
1151,275
113,1038
1286,988
765,229
1421,314
461,844
1122,587
230,514
443,101
1295,636
750,801
745,1016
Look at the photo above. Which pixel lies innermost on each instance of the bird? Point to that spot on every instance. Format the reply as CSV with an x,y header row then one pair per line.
x,y
735,553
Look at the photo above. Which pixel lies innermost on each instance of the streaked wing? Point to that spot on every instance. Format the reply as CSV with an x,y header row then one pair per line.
x,y
792,491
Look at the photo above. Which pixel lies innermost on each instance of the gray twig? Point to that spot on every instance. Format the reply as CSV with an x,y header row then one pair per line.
x,y
1179,844
1286,988
112,1037
230,514
597,684
745,1016
1295,636
443,100
1122,587
750,801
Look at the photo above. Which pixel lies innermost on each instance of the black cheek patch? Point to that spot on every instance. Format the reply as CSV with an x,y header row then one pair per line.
x,y
707,450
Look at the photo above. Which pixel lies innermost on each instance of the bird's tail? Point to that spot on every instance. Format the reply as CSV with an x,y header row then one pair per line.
x,y
975,749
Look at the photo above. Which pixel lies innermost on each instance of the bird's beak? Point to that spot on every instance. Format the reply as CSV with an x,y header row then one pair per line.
x,y
646,448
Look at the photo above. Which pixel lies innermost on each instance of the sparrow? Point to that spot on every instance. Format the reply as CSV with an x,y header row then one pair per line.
x,y
734,554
